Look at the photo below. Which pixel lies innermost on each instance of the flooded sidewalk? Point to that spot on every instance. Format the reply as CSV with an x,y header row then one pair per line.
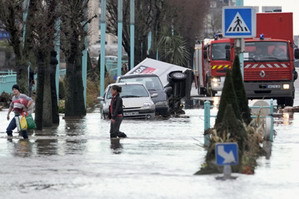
x,y
157,160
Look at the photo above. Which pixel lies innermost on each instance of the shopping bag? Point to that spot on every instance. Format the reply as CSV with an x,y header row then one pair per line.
x,y
17,118
30,122
23,123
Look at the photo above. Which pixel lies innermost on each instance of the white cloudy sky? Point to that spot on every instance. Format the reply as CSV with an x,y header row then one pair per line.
x,y
287,6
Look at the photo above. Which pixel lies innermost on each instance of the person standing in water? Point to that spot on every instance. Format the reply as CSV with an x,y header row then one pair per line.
x,y
20,103
116,112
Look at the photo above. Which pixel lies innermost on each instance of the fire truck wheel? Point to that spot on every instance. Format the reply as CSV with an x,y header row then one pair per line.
x,y
289,101
286,101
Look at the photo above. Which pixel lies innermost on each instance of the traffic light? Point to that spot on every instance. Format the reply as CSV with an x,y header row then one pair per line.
x,y
53,58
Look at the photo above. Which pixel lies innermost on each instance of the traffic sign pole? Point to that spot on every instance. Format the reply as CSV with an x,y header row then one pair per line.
x,y
239,23
241,56
226,155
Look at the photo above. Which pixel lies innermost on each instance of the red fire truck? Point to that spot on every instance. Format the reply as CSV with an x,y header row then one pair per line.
x,y
269,70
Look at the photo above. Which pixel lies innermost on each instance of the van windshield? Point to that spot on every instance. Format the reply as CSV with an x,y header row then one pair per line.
x,y
151,83
131,91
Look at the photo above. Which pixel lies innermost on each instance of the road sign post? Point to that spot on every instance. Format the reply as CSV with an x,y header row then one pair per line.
x,y
226,155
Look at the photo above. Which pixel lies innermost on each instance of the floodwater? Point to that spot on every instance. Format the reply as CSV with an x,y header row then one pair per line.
x,y
157,160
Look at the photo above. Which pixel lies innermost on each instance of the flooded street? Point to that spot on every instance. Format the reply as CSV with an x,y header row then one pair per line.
x,y
157,160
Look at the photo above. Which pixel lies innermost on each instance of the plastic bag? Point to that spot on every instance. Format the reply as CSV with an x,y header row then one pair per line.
x,y
17,118
30,122
23,123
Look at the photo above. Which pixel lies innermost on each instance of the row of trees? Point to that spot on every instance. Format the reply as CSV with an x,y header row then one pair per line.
x,y
36,46
174,25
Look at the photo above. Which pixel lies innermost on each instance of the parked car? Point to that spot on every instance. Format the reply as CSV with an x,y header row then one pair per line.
x,y
137,101
154,86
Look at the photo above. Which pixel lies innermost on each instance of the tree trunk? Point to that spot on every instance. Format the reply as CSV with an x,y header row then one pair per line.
x,y
47,101
74,102
40,91
22,77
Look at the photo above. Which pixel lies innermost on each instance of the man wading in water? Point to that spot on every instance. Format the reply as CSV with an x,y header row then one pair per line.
x,y
116,113
20,103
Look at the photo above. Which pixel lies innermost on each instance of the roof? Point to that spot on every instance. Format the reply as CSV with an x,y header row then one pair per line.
x,y
125,83
159,68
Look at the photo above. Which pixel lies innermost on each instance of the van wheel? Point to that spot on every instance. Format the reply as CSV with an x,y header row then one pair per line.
x,y
177,76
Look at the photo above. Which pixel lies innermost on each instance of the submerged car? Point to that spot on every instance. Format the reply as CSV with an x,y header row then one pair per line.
x,y
137,101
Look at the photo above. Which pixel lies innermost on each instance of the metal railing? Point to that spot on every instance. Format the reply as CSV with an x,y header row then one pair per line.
x,y
207,118
9,78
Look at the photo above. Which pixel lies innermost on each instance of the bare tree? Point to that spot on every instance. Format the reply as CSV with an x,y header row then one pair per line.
x,y
74,20
41,41
11,16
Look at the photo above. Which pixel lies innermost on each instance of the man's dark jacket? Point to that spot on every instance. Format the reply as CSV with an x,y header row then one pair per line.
x,y
116,107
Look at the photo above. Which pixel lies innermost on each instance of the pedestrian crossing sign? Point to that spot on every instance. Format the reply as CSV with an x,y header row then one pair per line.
x,y
239,22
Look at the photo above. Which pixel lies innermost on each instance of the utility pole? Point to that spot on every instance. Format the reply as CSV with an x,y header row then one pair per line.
x,y
119,35
132,33
57,49
103,42
240,43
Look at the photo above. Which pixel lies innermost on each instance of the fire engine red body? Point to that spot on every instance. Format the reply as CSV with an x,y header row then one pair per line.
x,y
268,61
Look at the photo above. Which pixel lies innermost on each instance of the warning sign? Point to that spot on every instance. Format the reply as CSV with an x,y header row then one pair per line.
x,y
238,25
239,22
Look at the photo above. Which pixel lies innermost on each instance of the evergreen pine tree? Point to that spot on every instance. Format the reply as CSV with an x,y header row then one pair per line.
x,y
240,91
228,96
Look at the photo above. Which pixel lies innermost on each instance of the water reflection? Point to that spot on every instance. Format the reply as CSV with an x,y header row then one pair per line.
x,y
267,146
75,131
287,118
46,146
116,146
22,148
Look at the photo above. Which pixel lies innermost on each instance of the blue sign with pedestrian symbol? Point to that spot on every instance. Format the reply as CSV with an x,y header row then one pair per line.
x,y
239,22
227,154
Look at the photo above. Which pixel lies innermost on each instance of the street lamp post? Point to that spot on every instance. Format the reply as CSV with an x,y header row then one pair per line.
x,y
241,43
119,36
57,49
103,41
132,33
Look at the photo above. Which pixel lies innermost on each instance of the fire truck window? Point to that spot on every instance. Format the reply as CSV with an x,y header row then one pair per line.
x,y
219,51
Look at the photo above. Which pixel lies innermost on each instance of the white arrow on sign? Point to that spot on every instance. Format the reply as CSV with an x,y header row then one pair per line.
x,y
228,157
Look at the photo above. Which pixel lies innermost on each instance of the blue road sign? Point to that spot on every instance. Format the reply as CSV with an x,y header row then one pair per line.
x,y
4,35
227,154
239,22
